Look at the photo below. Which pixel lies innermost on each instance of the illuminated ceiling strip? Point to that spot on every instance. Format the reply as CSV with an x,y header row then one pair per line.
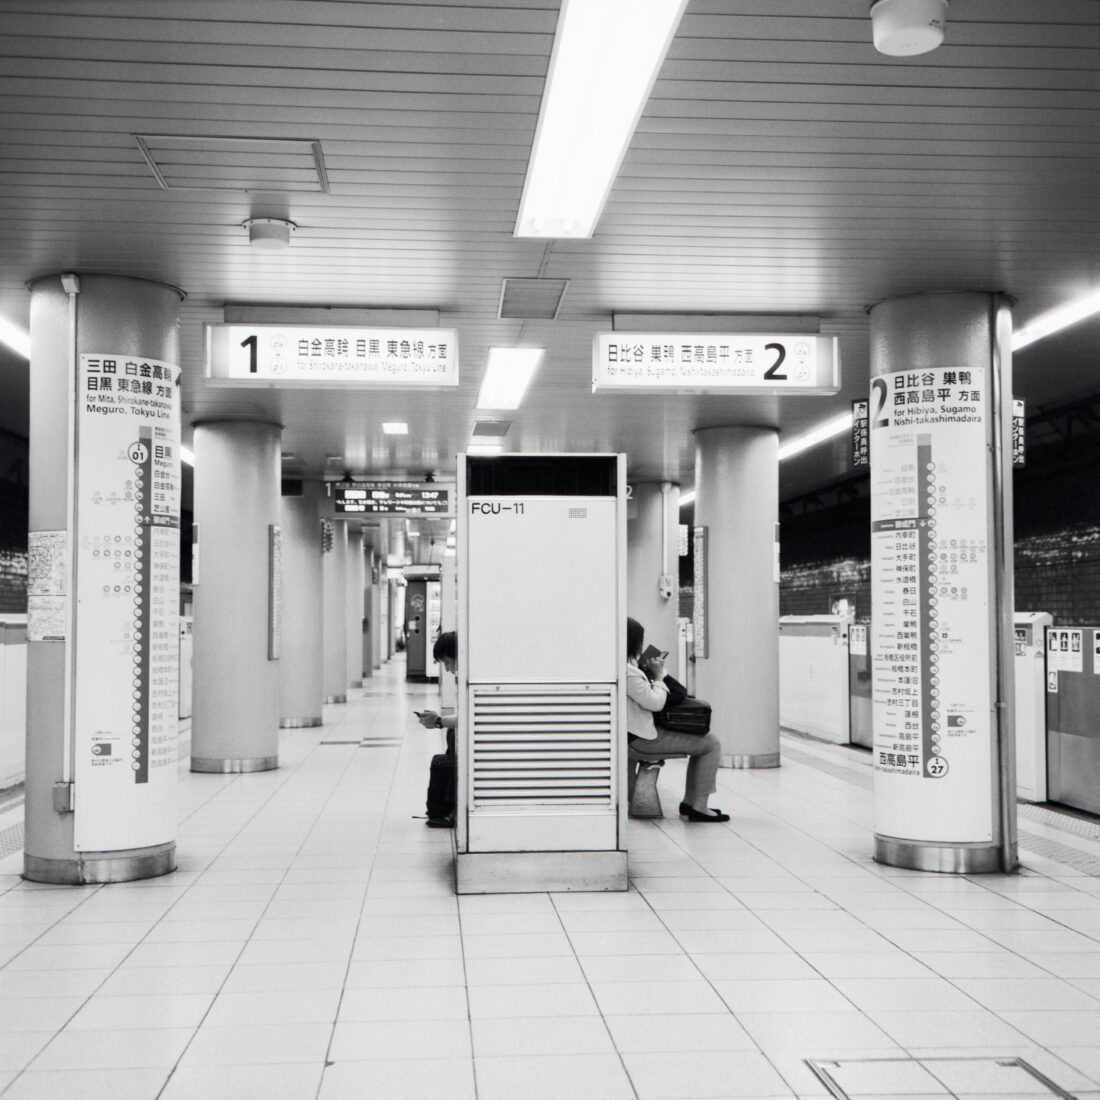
x,y
15,338
508,373
606,57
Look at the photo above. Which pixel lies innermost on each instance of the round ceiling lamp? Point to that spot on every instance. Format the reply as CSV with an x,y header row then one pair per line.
x,y
902,28
269,233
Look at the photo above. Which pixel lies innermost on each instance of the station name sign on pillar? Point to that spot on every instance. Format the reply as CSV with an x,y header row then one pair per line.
x,y
333,355
743,362
127,602
930,547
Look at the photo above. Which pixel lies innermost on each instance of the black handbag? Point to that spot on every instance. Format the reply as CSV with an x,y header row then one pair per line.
x,y
690,715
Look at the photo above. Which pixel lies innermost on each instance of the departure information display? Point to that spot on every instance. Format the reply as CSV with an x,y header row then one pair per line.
x,y
392,498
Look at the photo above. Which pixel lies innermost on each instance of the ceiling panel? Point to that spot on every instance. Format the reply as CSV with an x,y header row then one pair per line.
x,y
781,166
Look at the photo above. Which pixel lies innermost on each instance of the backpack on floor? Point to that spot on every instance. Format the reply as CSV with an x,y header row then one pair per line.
x,y
442,787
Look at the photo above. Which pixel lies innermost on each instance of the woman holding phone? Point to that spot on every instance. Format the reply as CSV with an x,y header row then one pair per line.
x,y
645,694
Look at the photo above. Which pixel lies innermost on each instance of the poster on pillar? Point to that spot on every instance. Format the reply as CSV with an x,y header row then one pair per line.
x,y
931,628
127,596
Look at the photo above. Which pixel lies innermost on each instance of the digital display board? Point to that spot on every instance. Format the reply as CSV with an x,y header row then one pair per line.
x,y
392,498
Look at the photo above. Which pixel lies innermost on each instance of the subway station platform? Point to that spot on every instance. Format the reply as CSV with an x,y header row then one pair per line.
x,y
310,945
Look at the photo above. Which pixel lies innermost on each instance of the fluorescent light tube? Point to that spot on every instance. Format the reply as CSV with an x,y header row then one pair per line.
x,y
17,339
605,60
187,456
507,376
838,425
484,448
395,427
1056,320
687,498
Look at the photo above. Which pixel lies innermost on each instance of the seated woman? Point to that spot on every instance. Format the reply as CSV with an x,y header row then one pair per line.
x,y
645,694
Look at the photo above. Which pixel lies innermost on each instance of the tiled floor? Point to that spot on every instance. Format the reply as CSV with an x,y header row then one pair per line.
x,y
310,946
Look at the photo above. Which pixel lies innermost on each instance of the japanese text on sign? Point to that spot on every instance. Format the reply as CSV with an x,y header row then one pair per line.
x,y
319,354
745,362
930,591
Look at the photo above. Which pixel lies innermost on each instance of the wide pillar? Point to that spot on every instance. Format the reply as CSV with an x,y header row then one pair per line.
x,y
103,583
334,568
737,590
353,606
235,714
301,665
652,565
941,582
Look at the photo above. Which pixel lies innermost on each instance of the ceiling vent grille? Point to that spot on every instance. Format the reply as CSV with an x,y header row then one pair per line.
x,y
531,299
203,162
493,429
537,745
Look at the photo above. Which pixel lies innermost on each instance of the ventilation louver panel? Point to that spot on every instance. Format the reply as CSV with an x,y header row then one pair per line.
x,y
540,745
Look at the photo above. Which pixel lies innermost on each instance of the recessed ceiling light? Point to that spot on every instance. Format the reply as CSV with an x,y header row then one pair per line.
x,y
590,107
395,427
507,376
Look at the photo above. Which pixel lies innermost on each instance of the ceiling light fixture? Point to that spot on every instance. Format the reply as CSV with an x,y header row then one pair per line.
x,y
590,107
395,427
508,373
268,233
16,338
1055,320
827,430
903,28
484,448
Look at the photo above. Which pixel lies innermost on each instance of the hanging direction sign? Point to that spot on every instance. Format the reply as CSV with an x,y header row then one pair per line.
x,y
741,362
391,498
333,355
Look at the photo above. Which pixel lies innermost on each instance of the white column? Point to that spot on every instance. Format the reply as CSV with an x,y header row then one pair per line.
x,y
301,680
235,714
652,565
353,606
334,565
103,584
737,590
941,581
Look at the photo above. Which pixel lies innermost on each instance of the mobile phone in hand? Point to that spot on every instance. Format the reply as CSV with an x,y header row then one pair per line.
x,y
652,653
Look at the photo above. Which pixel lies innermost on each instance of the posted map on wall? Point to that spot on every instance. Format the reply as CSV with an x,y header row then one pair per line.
x,y
930,594
127,597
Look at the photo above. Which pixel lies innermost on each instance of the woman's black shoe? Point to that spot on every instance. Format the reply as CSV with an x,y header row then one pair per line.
x,y
693,814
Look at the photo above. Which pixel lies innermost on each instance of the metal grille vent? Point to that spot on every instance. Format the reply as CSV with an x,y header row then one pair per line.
x,y
495,429
538,745
578,513
202,162
531,299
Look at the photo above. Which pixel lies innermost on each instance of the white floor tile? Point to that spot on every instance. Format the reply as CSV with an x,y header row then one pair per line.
x,y
240,1082
679,1032
359,1040
401,1079
726,1074
553,1077
134,1084
102,1050
258,1044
